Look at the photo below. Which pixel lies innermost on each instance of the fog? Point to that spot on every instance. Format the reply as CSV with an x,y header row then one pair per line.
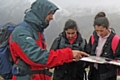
x,y
82,11
111,6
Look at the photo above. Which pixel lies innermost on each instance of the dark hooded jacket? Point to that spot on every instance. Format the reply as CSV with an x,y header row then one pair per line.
x,y
104,71
73,70
28,47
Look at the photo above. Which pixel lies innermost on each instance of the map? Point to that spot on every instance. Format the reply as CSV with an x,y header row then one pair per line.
x,y
101,60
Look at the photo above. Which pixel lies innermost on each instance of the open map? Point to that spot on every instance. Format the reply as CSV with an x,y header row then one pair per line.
x,y
101,60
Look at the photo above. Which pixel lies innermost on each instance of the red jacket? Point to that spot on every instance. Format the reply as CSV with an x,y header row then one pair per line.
x,y
54,58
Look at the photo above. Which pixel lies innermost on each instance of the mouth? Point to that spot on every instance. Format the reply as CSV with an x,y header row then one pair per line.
x,y
102,35
70,38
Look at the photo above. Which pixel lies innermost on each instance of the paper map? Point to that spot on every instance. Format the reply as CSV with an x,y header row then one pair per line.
x,y
100,60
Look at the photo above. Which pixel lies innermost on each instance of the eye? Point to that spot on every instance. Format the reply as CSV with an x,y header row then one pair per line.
x,y
101,30
68,33
73,33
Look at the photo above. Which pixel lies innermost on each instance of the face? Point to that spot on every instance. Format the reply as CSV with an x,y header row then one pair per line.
x,y
71,33
101,31
49,17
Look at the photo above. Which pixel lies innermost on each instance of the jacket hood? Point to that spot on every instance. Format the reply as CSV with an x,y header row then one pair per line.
x,y
38,12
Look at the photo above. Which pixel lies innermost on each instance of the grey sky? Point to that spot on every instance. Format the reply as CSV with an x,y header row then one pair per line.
x,y
85,3
110,6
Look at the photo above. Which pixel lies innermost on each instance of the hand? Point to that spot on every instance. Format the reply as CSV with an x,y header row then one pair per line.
x,y
84,54
78,54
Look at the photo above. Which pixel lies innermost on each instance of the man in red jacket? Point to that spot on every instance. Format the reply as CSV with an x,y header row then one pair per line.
x,y
28,46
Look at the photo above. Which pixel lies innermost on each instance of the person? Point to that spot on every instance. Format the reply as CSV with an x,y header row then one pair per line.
x,y
28,47
101,47
69,37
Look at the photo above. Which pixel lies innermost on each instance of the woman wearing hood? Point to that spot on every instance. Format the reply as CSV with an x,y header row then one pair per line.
x,y
28,48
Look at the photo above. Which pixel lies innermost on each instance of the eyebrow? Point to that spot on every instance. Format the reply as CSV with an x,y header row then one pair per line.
x,y
70,32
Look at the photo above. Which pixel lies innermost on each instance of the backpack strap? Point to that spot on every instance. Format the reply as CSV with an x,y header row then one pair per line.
x,y
115,42
24,24
92,39
45,71
83,44
21,71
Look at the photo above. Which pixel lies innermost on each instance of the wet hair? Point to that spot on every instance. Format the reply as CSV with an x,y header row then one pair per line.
x,y
100,14
70,24
101,20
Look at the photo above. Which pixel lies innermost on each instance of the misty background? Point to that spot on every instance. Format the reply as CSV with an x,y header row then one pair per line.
x,y
82,11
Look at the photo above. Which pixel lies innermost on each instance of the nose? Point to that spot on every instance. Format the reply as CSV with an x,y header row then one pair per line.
x,y
100,33
51,17
70,36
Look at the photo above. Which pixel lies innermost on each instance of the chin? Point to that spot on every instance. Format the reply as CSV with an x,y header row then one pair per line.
x,y
70,38
102,36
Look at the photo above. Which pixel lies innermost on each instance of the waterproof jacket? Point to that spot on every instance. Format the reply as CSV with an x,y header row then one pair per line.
x,y
104,71
28,48
73,70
